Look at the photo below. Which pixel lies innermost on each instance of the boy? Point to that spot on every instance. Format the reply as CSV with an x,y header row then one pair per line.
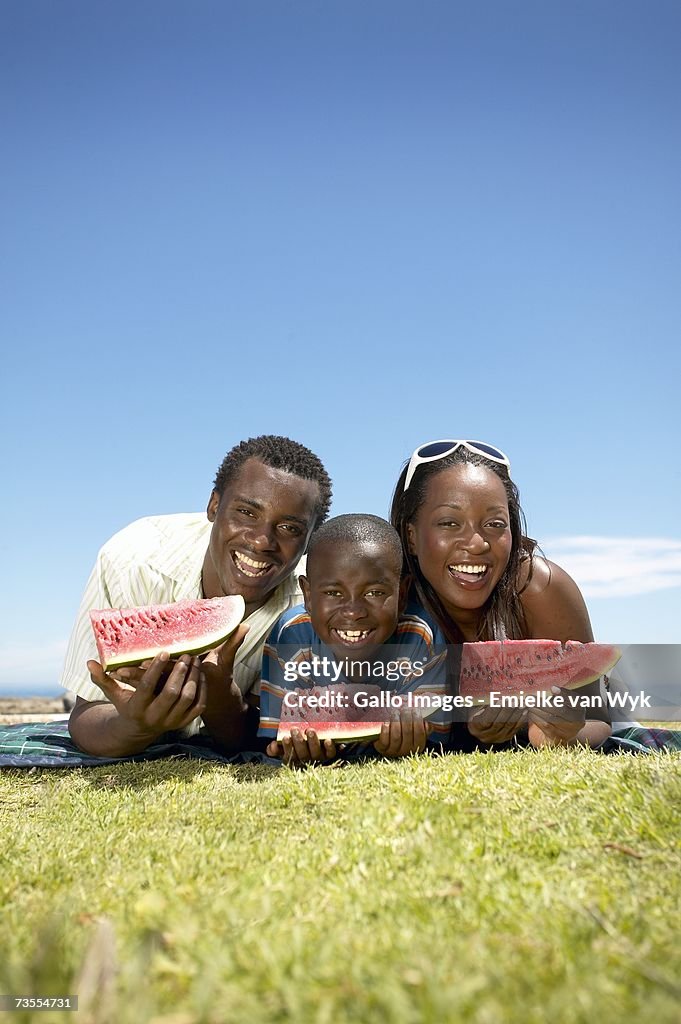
x,y
353,596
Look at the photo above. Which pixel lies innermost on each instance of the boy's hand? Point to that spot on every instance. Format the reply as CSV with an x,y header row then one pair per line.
x,y
302,747
406,735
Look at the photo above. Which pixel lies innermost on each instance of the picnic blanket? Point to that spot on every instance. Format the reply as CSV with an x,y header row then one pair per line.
x,y
48,745
638,740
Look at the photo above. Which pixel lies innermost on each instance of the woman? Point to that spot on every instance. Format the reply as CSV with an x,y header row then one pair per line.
x,y
478,576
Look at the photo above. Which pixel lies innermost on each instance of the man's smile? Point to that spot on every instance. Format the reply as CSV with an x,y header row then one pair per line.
x,y
249,566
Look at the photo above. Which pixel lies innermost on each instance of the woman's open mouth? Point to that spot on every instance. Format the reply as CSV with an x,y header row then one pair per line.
x,y
469,574
254,568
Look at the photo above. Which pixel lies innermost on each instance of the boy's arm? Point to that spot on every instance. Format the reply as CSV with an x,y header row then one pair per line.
x,y
270,695
303,745
409,734
406,736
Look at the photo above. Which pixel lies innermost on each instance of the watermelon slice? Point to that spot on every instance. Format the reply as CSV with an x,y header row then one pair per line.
x,y
351,723
509,666
340,732
128,636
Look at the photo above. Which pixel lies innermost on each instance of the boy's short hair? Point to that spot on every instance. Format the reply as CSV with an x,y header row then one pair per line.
x,y
358,528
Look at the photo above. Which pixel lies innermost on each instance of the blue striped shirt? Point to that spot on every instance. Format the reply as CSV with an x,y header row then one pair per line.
x,y
293,647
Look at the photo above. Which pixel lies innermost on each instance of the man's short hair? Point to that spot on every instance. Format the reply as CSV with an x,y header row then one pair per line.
x,y
278,453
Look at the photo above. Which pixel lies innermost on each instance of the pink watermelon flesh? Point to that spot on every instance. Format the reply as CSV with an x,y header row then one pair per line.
x,y
341,732
350,724
128,636
509,666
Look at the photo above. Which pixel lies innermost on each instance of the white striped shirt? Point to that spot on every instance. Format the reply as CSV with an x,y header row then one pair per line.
x,y
158,560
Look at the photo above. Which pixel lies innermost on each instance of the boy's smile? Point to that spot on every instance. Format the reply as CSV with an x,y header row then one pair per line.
x,y
352,593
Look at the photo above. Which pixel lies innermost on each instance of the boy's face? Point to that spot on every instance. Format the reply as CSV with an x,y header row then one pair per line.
x,y
352,593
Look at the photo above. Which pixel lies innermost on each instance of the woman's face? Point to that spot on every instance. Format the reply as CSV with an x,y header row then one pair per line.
x,y
461,537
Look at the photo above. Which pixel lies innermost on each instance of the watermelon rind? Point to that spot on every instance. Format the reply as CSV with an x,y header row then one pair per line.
x,y
129,636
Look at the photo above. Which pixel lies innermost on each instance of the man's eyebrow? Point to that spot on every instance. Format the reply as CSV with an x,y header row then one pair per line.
x,y
247,501
259,507
297,519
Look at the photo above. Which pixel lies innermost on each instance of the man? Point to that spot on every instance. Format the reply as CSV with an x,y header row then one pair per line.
x,y
270,493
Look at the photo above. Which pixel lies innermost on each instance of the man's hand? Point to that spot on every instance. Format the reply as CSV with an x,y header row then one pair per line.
x,y
135,715
181,699
302,747
227,716
555,726
218,664
406,735
495,725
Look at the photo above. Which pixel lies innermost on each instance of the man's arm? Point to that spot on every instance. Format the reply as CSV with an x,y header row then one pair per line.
x,y
97,728
136,716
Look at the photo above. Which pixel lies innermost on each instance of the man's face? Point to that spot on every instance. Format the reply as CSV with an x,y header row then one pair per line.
x,y
261,526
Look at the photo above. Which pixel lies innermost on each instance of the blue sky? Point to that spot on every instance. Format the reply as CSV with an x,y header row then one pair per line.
x,y
364,225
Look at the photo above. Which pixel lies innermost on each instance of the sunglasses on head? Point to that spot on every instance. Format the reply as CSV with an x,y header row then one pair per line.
x,y
434,450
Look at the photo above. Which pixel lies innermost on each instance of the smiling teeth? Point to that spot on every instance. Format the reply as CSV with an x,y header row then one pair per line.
x,y
353,636
243,563
470,569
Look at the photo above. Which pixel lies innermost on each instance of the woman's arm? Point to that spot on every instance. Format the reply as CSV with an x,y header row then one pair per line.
x,y
555,610
553,605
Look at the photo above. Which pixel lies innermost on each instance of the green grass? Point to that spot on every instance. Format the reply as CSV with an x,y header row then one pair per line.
x,y
522,886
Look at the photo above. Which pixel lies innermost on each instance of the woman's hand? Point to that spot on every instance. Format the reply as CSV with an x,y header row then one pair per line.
x,y
558,725
495,725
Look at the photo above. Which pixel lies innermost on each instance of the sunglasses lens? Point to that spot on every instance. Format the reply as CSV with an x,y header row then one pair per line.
x,y
488,450
431,451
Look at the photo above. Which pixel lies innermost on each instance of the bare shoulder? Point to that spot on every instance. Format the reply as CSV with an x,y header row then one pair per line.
x,y
553,603
546,575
